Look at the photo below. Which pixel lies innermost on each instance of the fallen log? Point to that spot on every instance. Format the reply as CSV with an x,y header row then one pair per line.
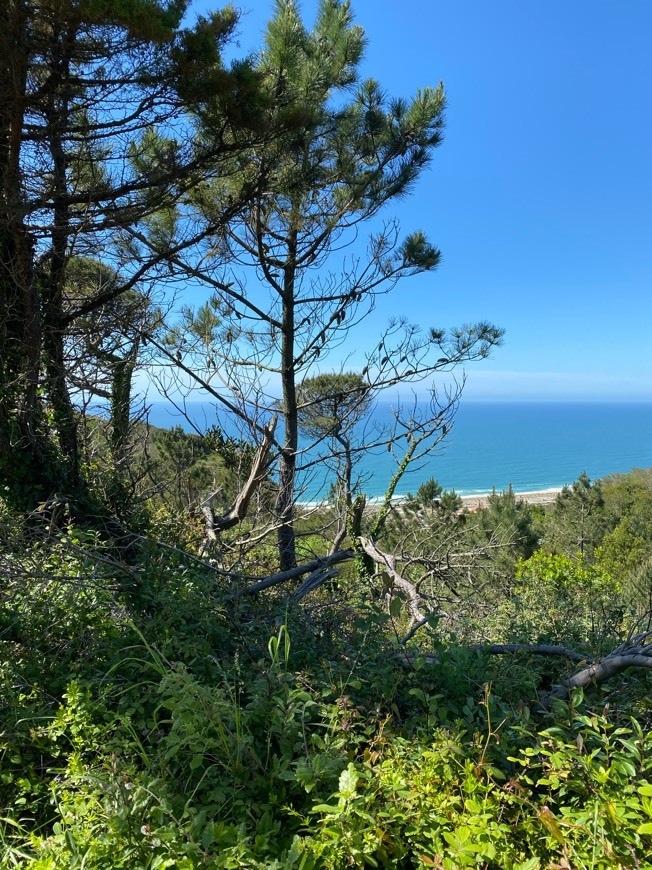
x,y
594,673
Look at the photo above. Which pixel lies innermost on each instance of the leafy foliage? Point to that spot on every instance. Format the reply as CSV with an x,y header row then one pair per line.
x,y
332,403
558,599
150,720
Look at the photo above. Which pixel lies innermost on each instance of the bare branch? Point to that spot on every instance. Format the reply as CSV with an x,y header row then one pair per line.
x,y
240,506
593,674
599,672
312,582
388,563
541,649
299,571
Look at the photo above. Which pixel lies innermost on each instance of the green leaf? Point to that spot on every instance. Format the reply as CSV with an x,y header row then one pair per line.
x,y
348,781
327,808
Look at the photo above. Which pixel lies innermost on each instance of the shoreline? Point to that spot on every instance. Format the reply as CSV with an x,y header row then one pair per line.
x,y
537,497
470,502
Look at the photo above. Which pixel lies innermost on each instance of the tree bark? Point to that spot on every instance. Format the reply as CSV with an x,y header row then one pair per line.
x,y
346,483
309,567
388,563
57,115
288,460
24,457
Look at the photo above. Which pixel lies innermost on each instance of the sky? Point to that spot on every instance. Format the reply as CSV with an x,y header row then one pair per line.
x,y
540,197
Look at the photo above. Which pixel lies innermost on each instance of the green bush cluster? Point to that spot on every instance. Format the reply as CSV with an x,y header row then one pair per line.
x,y
556,599
147,722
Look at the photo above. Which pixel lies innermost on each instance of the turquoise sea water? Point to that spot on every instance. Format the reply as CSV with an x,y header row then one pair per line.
x,y
531,446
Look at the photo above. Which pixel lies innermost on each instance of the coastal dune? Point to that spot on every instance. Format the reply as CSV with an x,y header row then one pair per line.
x,y
469,502
541,496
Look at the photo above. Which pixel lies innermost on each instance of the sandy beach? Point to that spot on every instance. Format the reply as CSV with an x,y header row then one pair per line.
x,y
541,496
470,502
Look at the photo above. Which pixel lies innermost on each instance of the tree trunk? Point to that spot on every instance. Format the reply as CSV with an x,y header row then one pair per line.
x,y
346,494
123,372
287,472
25,458
57,113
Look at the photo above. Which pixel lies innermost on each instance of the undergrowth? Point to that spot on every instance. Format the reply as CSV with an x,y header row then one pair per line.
x,y
148,722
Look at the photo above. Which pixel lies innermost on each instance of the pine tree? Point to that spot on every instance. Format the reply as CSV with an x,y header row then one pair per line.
x,y
350,152
578,521
86,87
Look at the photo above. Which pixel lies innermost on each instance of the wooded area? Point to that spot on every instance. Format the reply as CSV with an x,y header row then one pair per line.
x,y
198,669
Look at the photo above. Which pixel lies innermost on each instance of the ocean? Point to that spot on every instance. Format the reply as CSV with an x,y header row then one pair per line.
x,y
532,446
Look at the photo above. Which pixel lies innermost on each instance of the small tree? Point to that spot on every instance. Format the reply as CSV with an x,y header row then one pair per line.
x,y
330,408
102,349
578,521
513,519
84,172
351,153
433,497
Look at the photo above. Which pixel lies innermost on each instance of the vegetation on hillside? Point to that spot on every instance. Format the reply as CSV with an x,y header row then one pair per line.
x,y
155,715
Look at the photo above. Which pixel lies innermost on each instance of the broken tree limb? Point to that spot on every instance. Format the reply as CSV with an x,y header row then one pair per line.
x,y
240,506
293,573
388,563
313,581
593,674
427,620
597,673
541,649
209,516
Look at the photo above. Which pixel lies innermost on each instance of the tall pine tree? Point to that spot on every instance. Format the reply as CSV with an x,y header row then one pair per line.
x,y
86,87
350,153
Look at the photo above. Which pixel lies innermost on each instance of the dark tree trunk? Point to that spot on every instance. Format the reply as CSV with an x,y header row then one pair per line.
x,y
121,408
57,114
287,472
26,462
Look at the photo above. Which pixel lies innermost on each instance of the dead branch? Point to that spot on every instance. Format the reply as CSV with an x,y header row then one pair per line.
x,y
240,506
388,563
593,674
598,673
313,581
427,620
540,649
314,565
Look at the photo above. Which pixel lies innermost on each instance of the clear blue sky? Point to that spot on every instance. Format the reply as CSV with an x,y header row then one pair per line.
x,y
540,197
